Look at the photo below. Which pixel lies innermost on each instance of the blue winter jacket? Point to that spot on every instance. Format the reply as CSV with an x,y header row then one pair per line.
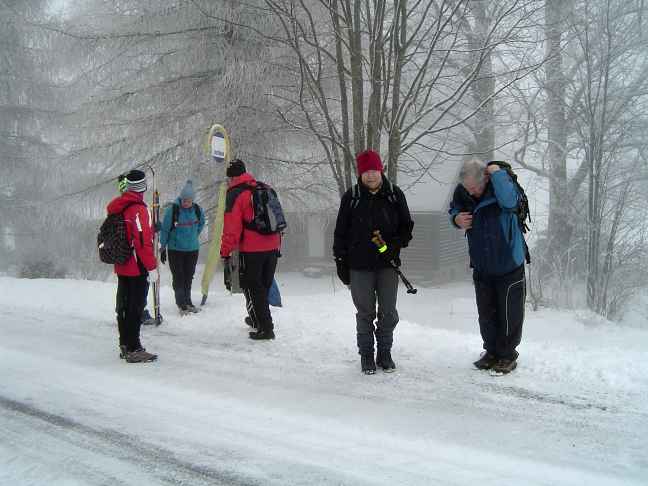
x,y
495,241
184,237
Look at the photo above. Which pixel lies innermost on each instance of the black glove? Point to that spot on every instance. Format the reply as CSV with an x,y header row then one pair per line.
x,y
343,272
157,227
163,255
390,254
227,272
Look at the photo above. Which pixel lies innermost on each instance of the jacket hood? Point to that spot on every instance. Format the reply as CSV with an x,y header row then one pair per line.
x,y
245,178
118,204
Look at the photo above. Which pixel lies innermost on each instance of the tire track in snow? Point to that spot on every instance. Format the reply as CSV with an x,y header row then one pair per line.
x,y
158,462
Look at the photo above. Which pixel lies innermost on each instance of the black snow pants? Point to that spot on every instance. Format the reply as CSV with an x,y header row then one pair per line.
x,y
131,300
183,267
256,272
500,304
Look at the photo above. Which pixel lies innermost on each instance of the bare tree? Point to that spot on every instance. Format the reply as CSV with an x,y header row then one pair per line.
x,y
401,71
589,141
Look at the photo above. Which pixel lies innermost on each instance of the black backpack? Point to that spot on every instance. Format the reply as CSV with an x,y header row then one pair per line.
x,y
268,215
176,212
112,240
523,214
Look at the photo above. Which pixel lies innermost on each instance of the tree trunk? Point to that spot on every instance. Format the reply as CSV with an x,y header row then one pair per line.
x,y
357,79
400,37
560,228
484,87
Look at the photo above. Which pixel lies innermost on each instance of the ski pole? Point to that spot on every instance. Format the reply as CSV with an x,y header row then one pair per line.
x,y
380,243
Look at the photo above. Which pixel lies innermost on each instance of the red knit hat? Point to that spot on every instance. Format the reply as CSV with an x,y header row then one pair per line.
x,y
368,160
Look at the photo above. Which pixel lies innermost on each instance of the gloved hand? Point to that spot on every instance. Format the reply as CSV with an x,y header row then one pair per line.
x,y
390,254
387,251
163,255
343,272
227,272
157,227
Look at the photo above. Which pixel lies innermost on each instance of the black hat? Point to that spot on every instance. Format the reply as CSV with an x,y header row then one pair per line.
x,y
236,168
136,181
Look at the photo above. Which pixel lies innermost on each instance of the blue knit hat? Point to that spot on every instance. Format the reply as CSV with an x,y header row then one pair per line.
x,y
188,191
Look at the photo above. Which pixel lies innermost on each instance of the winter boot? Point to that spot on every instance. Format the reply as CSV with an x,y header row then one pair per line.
x,y
140,356
122,351
504,366
486,361
250,322
262,335
147,318
192,309
385,361
183,310
368,364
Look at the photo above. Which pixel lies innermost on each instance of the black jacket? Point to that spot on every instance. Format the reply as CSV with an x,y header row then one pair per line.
x,y
385,211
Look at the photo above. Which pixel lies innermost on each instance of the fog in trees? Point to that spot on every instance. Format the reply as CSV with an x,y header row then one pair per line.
x,y
90,89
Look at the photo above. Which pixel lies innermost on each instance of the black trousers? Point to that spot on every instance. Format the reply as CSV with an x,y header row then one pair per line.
x,y
500,304
131,300
183,267
256,274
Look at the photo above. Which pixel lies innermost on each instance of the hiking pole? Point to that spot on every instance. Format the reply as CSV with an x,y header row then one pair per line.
x,y
408,285
380,243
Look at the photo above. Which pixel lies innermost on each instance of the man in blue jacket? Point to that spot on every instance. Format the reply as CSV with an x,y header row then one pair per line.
x,y
181,227
484,205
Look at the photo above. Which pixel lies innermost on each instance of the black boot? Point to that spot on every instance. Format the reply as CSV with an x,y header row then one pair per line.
x,y
486,361
504,366
385,361
368,364
262,335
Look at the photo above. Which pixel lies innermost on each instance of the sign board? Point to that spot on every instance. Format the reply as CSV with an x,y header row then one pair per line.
x,y
218,147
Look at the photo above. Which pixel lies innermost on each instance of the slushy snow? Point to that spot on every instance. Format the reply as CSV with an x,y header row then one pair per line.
x,y
217,408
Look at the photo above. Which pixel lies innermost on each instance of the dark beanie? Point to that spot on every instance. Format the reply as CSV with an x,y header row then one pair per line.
x,y
236,168
136,181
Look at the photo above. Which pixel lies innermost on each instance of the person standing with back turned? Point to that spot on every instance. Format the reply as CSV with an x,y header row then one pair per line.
x,y
132,275
258,251
373,206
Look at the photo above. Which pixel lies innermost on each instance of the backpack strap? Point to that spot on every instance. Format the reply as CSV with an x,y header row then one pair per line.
x,y
174,216
355,196
392,197
138,226
233,194
391,194
176,213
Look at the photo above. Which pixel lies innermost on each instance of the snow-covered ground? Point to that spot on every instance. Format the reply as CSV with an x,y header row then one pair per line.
x,y
217,408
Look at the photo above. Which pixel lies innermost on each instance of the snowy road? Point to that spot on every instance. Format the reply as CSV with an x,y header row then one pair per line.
x,y
219,409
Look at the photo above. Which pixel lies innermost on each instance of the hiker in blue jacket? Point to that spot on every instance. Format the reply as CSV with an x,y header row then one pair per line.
x,y
484,205
179,240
